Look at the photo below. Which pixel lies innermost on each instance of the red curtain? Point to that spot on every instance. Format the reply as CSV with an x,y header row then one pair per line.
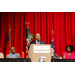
x,y
40,22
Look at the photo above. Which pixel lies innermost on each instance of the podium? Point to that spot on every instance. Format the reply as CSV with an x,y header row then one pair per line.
x,y
38,51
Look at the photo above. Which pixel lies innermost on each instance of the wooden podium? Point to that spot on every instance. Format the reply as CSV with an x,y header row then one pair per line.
x,y
40,50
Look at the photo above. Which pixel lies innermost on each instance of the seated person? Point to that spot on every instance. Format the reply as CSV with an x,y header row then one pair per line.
x,y
1,54
69,54
13,54
53,55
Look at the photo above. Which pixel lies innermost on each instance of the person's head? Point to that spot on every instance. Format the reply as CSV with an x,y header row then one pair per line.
x,y
37,36
69,48
52,49
12,49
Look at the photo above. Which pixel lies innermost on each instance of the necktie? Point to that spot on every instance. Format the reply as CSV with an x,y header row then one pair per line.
x,y
37,41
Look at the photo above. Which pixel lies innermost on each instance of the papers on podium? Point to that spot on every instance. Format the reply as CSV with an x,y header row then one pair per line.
x,y
42,59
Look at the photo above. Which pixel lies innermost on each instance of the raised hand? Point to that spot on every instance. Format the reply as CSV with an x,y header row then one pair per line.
x,y
28,42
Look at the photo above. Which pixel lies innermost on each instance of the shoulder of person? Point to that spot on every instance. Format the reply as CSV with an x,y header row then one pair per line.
x,y
73,53
33,41
1,53
17,53
8,54
43,41
64,53
56,54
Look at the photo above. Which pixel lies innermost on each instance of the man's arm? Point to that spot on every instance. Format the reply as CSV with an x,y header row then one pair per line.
x,y
57,57
7,56
19,56
30,44
44,42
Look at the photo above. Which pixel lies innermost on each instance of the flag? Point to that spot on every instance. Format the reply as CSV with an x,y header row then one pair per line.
x,y
52,38
7,47
8,42
29,37
10,37
27,51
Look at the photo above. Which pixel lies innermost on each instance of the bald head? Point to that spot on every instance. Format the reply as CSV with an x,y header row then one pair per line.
x,y
12,49
37,36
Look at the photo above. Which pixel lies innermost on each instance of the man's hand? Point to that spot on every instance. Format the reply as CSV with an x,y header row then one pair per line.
x,y
52,54
28,42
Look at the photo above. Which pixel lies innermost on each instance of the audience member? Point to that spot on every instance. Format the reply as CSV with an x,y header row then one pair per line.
x,y
53,55
1,54
69,54
13,54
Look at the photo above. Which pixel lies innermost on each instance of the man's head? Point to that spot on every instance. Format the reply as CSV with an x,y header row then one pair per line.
x,y
37,36
12,49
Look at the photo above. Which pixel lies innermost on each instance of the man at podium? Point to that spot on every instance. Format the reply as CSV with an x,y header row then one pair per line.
x,y
39,51
37,41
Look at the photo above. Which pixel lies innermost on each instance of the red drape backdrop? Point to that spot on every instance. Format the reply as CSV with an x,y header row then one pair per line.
x,y
40,22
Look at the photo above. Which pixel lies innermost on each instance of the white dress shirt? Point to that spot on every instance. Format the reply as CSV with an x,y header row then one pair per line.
x,y
37,42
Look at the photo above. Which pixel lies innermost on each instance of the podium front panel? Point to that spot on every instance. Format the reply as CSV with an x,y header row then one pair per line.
x,y
40,50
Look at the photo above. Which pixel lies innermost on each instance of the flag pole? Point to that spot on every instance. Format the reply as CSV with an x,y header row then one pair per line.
x,y
26,43
10,36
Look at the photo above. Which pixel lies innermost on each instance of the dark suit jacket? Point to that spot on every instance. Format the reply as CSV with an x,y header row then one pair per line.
x,y
34,42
